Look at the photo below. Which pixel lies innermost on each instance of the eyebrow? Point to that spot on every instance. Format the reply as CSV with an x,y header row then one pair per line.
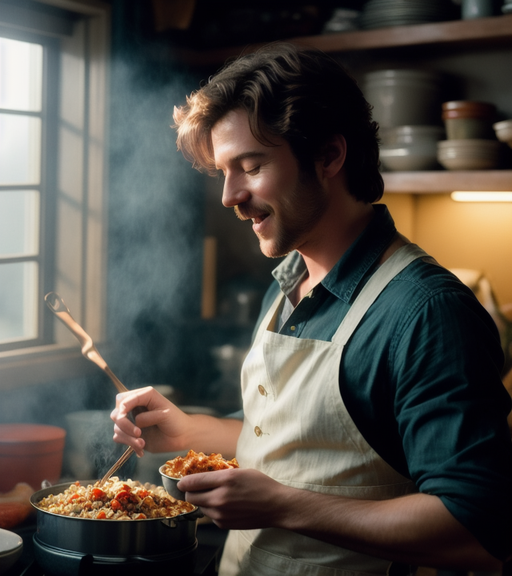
x,y
243,155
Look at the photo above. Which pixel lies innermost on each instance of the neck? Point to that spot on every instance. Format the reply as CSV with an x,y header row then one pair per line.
x,y
337,231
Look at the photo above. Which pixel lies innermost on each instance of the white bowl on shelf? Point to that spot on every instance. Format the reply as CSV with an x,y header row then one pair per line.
x,y
410,148
409,157
411,134
503,131
471,154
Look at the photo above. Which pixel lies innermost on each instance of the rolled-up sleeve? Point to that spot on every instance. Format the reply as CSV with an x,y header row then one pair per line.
x,y
451,408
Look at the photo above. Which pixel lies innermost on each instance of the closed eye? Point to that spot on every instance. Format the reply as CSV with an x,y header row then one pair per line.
x,y
253,171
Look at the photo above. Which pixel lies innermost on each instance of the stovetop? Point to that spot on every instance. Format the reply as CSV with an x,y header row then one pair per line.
x,y
207,555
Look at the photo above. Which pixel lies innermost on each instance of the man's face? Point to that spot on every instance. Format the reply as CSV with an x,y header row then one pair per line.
x,y
265,184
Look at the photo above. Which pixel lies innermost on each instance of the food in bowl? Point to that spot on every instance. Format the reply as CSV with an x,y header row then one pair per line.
x,y
114,500
195,462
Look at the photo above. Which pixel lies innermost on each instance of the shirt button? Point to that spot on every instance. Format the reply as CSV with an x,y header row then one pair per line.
x,y
262,390
257,431
292,328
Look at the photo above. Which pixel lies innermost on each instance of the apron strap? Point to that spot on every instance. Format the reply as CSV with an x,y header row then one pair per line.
x,y
375,285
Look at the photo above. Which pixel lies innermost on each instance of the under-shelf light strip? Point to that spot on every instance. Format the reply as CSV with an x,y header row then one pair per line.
x,y
488,196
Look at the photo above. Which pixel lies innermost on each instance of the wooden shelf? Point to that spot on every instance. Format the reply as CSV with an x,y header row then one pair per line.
x,y
442,181
495,31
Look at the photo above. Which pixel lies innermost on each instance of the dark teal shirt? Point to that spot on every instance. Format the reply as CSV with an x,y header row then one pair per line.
x,y
420,377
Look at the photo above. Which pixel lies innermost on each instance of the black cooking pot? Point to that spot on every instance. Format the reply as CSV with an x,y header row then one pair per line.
x,y
148,537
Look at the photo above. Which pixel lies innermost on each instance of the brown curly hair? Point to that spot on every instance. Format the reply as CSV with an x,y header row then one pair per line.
x,y
301,95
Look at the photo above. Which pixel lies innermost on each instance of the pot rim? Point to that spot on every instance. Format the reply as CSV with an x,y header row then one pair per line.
x,y
192,515
113,538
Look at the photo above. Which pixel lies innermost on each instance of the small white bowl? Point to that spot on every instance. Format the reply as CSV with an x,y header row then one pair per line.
x,y
470,154
465,153
411,134
503,131
469,144
467,164
11,548
409,157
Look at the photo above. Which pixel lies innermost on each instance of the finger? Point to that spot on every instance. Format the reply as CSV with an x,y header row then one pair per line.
x,y
154,417
136,442
127,401
126,424
201,481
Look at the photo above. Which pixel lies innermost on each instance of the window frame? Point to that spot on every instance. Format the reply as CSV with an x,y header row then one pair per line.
x,y
78,245
47,182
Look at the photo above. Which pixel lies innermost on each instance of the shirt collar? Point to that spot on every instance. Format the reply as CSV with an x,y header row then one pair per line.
x,y
353,266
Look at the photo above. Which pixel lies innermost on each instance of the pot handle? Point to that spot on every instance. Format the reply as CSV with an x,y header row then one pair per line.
x,y
190,516
194,515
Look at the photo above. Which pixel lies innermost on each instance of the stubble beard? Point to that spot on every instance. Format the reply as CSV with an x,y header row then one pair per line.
x,y
294,217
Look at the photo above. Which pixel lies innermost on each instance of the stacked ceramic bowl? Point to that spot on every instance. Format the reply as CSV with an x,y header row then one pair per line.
x,y
470,154
468,119
471,143
406,106
382,13
411,148
403,97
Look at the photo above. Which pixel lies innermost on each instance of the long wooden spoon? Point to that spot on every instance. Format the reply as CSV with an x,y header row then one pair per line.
x,y
56,304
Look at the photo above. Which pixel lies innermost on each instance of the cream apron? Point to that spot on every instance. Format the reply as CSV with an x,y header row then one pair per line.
x,y
297,430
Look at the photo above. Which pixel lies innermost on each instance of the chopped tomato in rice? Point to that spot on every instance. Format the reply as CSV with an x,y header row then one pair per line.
x,y
115,500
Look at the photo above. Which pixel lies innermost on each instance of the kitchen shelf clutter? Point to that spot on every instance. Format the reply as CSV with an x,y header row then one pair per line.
x,y
454,36
495,31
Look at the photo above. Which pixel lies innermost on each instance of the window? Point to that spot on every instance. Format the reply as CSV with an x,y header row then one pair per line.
x,y
53,71
23,125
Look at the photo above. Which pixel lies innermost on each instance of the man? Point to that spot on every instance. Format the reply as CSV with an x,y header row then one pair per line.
x,y
374,431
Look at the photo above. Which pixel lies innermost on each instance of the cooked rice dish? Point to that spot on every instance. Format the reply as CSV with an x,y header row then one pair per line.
x,y
115,500
195,462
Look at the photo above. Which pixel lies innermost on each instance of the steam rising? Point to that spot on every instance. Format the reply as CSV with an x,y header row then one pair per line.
x,y
155,238
156,231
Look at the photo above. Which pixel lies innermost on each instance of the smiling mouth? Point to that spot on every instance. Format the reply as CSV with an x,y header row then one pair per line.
x,y
245,213
259,219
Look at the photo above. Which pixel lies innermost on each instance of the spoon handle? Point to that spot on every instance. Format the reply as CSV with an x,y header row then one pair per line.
x,y
117,383
124,458
56,304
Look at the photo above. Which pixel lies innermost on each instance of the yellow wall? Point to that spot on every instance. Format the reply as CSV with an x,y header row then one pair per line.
x,y
460,235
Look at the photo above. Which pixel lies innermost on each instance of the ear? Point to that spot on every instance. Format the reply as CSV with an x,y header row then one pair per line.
x,y
333,156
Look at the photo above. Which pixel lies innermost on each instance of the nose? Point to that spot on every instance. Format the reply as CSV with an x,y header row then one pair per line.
x,y
233,192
